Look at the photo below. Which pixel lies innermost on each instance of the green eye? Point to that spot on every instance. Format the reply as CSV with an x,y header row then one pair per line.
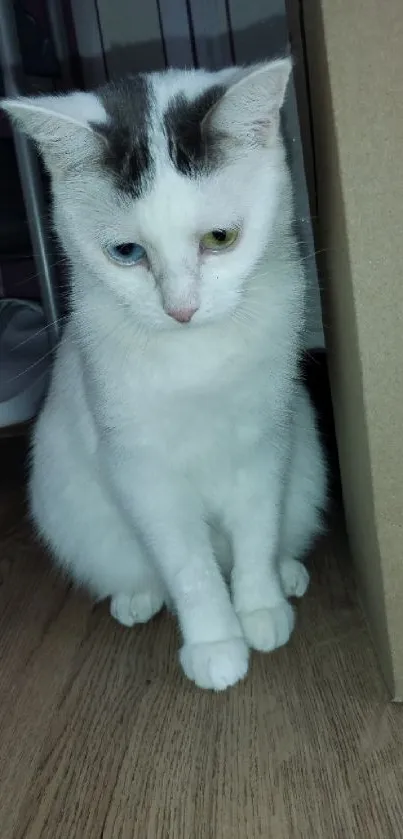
x,y
218,240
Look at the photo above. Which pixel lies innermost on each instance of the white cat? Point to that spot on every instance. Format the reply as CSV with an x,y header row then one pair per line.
x,y
177,435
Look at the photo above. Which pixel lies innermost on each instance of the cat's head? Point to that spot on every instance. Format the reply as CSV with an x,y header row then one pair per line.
x,y
166,185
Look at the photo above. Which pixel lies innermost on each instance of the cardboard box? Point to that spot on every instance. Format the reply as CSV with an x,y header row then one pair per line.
x,y
354,54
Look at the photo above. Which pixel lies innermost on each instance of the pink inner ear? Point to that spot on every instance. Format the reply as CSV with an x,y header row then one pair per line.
x,y
261,129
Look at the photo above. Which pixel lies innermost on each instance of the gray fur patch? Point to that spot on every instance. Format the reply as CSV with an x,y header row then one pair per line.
x,y
192,150
127,152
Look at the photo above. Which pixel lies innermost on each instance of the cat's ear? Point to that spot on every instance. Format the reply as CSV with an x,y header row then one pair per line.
x,y
61,126
250,107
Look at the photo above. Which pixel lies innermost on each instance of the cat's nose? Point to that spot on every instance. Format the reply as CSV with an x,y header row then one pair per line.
x,y
182,315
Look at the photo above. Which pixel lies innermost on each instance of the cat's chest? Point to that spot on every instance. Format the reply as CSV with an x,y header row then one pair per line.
x,y
204,419
197,400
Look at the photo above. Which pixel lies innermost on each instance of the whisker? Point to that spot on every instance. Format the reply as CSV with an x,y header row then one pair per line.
x,y
245,316
36,276
39,332
313,254
30,367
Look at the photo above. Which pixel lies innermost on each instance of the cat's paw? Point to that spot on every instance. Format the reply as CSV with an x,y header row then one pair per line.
x,y
136,608
267,629
294,577
216,665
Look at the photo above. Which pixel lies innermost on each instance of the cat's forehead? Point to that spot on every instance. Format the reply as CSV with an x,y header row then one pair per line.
x,y
155,119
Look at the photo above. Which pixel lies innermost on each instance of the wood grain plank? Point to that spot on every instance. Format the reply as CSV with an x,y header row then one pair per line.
x,y
102,737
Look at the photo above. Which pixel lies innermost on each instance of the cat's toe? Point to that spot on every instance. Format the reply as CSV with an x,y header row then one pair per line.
x,y
136,608
294,577
216,665
267,629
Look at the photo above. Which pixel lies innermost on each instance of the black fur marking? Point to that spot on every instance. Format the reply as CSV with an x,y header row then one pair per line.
x,y
192,150
127,154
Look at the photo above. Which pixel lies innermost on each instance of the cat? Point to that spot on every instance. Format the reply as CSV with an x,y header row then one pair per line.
x,y
176,459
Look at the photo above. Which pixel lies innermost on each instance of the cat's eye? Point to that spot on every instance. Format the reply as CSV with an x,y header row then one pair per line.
x,y
127,253
218,240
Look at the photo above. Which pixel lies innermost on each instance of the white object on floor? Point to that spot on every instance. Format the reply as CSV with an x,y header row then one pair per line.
x,y
25,360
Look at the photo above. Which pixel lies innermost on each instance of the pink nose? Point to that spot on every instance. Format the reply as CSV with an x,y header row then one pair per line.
x,y
181,315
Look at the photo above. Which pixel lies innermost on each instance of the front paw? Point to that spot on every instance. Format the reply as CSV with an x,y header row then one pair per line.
x,y
136,608
294,577
267,629
216,665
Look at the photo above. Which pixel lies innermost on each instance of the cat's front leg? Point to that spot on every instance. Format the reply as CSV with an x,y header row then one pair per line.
x,y
254,520
166,511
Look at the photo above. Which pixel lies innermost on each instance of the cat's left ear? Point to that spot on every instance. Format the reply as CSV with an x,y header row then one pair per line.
x,y
250,107
61,126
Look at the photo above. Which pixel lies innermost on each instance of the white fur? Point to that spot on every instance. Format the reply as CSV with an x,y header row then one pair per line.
x,y
165,450
78,108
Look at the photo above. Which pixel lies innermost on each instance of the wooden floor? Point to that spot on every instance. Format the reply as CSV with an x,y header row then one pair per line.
x,y
102,738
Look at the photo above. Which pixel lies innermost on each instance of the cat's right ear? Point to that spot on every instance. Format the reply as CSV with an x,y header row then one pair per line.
x,y
249,110
63,127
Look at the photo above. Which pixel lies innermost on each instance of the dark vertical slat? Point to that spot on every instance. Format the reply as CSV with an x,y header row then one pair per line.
x,y
131,36
89,42
212,34
177,33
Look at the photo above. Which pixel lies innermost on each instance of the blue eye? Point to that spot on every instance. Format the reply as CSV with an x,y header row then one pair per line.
x,y
128,253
